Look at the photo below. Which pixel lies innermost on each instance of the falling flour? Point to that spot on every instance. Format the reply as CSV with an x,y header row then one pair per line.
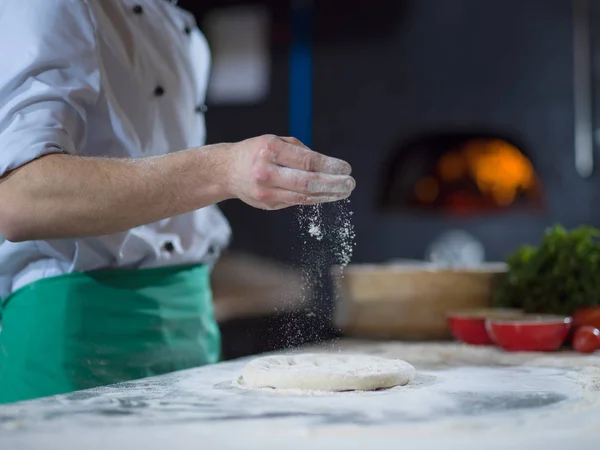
x,y
345,234
326,240
315,224
330,223
315,231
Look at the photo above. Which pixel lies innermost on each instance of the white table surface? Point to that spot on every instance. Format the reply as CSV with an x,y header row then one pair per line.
x,y
463,397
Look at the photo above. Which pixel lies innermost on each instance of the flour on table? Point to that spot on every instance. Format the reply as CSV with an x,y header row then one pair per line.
x,y
588,378
327,372
453,354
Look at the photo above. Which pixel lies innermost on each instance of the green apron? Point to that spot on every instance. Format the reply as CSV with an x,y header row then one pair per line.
x,y
83,330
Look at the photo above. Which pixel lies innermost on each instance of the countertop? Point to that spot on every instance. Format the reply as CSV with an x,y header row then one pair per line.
x,y
462,397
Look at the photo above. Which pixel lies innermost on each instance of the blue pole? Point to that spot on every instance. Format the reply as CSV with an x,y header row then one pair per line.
x,y
301,67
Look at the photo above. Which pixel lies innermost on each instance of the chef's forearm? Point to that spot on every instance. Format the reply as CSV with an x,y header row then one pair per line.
x,y
59,196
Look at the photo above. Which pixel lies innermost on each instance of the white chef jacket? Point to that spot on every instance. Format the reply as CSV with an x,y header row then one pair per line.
x,y
103,78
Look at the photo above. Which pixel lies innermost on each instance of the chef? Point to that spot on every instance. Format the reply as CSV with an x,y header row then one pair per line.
x,y
108,193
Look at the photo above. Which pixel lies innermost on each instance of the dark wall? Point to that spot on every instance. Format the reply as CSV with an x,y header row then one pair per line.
x,y
504,65
265,233
388,72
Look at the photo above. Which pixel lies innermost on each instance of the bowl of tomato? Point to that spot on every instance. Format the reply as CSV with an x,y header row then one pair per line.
x,y
529,333
468,326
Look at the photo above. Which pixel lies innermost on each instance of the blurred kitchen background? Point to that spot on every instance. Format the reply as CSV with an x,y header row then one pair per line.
x,y
458,116
471,126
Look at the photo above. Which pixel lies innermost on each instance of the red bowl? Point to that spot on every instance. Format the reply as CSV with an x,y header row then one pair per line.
x,y
529,333
469,326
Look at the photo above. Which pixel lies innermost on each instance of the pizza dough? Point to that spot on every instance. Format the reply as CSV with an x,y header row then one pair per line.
x,y
327,372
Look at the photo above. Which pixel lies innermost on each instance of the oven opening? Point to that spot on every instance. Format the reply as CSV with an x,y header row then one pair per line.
x,y
460,174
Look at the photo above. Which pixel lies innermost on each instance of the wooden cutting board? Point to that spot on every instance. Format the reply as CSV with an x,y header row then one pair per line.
x,y
398,301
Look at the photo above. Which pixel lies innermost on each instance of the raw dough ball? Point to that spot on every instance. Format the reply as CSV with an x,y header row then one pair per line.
x,y
327,372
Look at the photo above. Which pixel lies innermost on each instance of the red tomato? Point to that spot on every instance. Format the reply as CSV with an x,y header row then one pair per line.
x,y
586,339
587,316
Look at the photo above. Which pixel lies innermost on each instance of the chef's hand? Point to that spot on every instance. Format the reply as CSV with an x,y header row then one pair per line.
x,y
271,172
64,196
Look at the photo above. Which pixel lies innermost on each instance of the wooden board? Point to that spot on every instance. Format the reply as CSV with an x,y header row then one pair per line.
x,y
408,302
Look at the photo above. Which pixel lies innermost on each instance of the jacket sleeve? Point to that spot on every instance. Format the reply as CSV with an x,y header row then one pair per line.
x,y
49,78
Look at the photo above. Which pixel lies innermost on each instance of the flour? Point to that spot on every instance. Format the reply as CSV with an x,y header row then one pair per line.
x,y
331,183
588,378
440,409
345,234
337,187
315,230
331,223
328,240
334,165
310,219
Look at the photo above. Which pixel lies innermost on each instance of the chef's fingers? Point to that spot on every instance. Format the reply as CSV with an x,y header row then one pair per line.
x,y
289,152
311,183
275,198
293,141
